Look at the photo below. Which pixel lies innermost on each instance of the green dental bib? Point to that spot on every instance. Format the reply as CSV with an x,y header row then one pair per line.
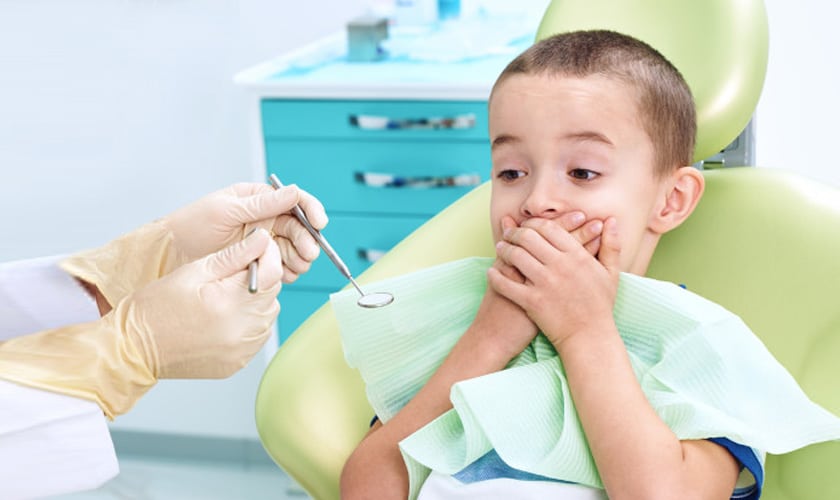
x,y
703,371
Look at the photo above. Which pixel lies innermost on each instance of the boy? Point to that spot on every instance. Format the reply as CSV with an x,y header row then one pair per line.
x,y
592,122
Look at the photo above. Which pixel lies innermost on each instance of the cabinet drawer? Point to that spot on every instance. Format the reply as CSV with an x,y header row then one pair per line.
x,y
358,119
295,307
401,177
359,241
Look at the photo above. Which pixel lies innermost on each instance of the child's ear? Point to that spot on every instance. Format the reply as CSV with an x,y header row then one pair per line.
x,y
683,190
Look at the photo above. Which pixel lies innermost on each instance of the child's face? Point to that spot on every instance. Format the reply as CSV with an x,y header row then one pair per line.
x,y
561,144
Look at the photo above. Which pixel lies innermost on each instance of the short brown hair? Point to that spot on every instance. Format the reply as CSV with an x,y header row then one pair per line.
x,y
665,104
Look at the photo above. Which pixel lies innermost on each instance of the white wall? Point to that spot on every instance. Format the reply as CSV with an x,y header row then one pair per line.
x,y
115,112
796,119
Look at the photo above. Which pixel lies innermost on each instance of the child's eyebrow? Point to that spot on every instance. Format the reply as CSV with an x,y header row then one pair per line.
x,y
504,139
588,135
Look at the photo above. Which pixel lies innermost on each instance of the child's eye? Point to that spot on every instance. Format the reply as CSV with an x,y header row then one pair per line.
x,y
583,174
510,174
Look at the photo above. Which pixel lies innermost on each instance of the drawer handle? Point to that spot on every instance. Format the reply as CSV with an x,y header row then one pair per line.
x,y
378,180
369,122
370,254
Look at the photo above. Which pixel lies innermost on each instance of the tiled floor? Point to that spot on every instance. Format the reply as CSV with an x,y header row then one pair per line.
x,y
145,478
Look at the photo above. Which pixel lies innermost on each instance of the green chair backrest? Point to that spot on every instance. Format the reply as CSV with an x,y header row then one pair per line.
x,y
766,245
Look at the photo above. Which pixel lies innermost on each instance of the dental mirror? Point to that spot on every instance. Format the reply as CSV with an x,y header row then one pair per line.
x,y
375,299
368,300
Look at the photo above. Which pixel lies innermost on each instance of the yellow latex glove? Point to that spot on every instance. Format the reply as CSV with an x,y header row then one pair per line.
x,y
203,227
197,322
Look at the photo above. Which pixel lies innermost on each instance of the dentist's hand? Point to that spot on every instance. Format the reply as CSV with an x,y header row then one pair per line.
x,y
225,216
118,268
197,322
200,321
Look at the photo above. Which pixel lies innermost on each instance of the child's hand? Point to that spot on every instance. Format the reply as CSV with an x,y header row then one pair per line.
x,y
586,232
501,324
504,323
566,290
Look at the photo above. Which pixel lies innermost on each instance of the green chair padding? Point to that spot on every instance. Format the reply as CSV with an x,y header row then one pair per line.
x,y
763,243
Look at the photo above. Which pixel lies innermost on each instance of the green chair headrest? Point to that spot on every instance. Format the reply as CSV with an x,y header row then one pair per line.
x,y
719,46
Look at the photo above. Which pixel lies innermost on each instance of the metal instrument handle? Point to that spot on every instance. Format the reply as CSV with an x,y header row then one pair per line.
x,y
322,242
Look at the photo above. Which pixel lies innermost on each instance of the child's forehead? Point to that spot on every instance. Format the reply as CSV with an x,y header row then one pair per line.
x,y
562,110
563,98
560,83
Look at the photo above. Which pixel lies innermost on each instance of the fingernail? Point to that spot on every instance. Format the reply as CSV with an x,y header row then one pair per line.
x,y
577,217
597,227
506,233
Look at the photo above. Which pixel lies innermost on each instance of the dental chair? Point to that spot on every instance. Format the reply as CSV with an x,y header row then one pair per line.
x,y
763,243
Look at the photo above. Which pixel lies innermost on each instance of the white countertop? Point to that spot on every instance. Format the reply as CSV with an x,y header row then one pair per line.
x,y
456,60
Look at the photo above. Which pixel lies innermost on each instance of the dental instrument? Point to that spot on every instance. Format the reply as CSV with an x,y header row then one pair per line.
x,y
252,277
368,300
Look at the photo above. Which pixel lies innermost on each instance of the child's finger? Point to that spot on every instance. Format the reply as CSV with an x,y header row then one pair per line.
x,y
521,258
571,221
589,233
510,289
610,253
552,229
507,222
543,238
509,271
593,246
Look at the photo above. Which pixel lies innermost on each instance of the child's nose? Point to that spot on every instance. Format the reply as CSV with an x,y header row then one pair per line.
x,y
542,202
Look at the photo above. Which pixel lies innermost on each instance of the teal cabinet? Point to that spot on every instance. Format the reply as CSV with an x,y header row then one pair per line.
x,y
379,179
374,119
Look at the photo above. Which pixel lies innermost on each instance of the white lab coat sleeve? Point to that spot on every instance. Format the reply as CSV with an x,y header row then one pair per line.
x,y
38,295
50,443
